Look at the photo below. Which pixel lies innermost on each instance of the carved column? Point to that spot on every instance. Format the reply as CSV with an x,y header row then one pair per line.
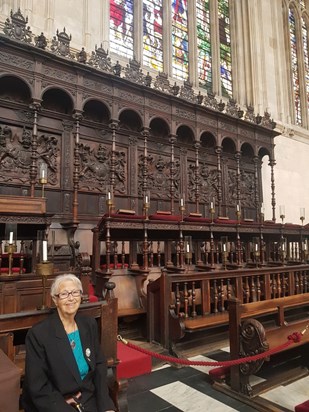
x,y
272,163
145,134
256,189
196,177
77,117
114,126
35,106
218,152
238,194
172,173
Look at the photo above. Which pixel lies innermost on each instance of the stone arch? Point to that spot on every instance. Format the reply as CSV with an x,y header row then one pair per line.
x,y
15,88
159,128
57,100
96,111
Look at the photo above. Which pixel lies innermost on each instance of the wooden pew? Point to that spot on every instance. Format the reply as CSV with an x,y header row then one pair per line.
x,y
14,327
278,318
180,304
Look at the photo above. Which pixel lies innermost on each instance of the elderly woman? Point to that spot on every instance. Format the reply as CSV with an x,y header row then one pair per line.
x,y
65,369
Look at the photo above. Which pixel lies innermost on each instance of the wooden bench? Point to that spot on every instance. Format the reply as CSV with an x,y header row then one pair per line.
x,y
278,318
180,304
14,327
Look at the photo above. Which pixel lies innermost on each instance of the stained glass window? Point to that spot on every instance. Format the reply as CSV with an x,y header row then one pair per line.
x,y
306,56
225,48
121,27
204,44
180,55
152,34
294,62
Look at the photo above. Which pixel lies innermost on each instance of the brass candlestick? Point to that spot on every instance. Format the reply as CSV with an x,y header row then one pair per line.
x,y
43,182
44,269
182,211
146,207
109,204
238,215
10,249
212,214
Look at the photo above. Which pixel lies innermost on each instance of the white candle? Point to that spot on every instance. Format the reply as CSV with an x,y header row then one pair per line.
x,y
256,247
188,248
43,173
181,202
44,250
11,238
237,208
302,212
109,196
146,199
211,205
224,247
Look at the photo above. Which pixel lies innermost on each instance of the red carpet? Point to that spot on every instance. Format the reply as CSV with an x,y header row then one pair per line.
x,y
131,362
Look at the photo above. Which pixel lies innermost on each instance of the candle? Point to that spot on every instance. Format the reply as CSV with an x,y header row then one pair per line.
x,y
43,173
146,199
181,202
256,247
281,210
237,208
11,238
211,205
44,250
302,212
224,247
109,196
188,248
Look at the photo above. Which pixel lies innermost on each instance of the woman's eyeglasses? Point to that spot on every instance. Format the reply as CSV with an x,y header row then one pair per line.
x,y
66,294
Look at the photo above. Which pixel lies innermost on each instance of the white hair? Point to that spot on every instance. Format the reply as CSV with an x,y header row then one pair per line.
x,y
54,289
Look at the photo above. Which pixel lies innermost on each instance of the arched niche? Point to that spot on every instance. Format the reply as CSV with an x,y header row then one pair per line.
x,y
14,89
228,146
266,195
159,128
58,101
96,111
247,152
185,135
130,120
208,140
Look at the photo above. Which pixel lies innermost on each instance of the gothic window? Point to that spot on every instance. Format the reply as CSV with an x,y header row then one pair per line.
x,y
294,65
306,56
121,27
153,34
204,44
225,48
180,55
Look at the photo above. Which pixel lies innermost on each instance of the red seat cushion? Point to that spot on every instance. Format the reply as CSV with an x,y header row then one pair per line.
x,y
169,218
131,362
303,407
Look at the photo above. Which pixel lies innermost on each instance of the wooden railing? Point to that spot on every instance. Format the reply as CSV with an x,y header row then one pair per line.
x,y
188,302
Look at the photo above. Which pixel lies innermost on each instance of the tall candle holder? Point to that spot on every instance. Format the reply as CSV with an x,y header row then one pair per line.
x,y
182,207
109,199
44,268
238,213
43,177
146,205
212,210
10,249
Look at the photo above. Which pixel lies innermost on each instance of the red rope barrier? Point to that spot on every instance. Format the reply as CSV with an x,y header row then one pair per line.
x,y
294,338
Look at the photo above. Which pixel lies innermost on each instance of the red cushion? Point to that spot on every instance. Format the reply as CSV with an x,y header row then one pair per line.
x,y
170,218
219,373
197,219
131,362
112,266
303,407
226,221
14,270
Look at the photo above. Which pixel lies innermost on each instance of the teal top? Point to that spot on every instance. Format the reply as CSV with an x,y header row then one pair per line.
x,y
77,349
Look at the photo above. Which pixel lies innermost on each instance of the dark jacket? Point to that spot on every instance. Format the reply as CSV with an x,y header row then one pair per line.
x,y
51,371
